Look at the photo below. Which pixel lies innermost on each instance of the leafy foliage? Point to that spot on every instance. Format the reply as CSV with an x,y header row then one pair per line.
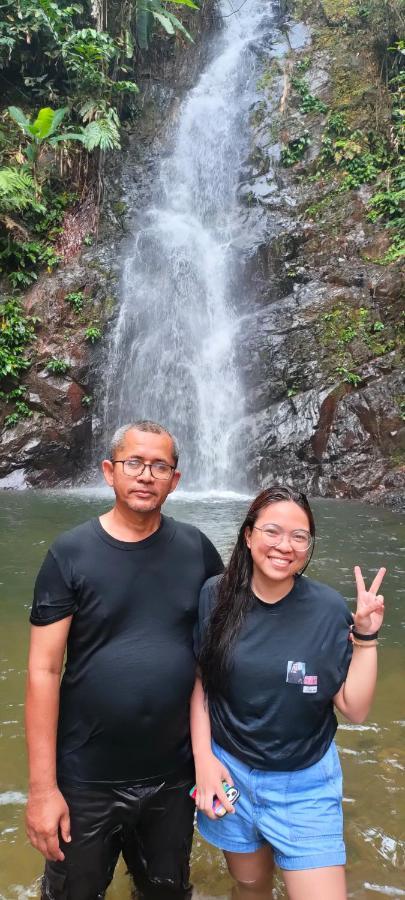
x,y
17,331
103,133
354,335
17,191
57,366
80,70
92,334
24,258
150,11
308,103
295,150
76,300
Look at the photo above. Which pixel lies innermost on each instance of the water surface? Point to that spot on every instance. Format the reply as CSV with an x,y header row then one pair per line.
x,y
372,755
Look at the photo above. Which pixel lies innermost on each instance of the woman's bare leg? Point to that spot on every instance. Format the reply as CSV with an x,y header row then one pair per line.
x,y
253,873
328,883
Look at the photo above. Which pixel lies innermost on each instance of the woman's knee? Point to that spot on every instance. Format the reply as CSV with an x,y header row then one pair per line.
x,y
251,871
256,886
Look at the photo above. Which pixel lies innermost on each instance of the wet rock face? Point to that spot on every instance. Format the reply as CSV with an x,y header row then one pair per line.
x,y
327,436
319,345
53,445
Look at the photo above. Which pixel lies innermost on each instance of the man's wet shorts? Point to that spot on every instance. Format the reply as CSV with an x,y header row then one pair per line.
x,y
298,813
152,826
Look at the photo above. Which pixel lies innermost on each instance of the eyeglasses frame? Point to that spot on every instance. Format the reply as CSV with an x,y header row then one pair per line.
x,y
144,466
288,533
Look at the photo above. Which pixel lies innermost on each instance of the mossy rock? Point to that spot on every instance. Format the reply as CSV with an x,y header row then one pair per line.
x,y
338,11
120,208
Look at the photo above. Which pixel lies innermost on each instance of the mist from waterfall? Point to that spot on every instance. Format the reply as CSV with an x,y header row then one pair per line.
x,y
172,354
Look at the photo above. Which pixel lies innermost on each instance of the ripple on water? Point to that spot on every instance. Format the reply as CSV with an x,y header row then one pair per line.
x,y
22,893
384,889
391,849
351,727
12,798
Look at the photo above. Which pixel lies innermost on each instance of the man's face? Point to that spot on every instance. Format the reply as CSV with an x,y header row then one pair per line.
x,y
141,493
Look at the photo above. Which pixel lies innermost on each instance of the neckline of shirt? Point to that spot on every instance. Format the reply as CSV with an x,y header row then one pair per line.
x,y
277,603
164,533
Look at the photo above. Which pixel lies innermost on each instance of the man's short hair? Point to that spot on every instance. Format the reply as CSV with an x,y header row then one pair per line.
x,y
118,437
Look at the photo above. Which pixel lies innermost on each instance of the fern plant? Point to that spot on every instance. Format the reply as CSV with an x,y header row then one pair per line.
x,y
102,132
17,191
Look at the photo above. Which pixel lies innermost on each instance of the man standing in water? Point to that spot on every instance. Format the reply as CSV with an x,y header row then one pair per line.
x,y
109,751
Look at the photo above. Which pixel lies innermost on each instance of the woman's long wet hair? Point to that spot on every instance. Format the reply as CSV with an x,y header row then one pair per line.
x,y
235,595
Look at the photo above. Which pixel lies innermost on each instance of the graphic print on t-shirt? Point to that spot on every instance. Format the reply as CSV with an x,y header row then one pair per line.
x,y
310,685
295,672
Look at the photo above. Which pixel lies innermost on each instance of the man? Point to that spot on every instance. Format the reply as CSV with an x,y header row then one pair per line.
x,y
109,751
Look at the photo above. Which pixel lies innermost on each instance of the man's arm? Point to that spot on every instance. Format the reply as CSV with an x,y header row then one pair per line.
x,y
47,811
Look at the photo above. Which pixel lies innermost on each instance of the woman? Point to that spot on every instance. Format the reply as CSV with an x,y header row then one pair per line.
x,y
277,652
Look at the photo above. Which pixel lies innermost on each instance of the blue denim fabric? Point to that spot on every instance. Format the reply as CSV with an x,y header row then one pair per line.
x,y
298,813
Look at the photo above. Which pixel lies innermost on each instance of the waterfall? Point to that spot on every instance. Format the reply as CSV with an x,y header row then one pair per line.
x,y
172,352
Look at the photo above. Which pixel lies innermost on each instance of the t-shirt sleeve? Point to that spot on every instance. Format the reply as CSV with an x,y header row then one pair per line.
x,y
213,564
54,599
207,600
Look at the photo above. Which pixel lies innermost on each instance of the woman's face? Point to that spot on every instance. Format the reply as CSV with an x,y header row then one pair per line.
x,y
281,561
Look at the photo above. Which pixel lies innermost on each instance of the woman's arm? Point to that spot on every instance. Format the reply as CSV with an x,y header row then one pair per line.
x,y
209,771
355,696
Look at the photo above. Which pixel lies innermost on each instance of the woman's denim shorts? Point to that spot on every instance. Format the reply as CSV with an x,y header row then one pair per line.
x,y
298,813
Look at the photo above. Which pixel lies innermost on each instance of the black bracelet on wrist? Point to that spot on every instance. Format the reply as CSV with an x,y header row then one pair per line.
x,y
363,637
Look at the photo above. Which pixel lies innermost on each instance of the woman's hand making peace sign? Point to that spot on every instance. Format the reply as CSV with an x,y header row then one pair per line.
x,y
370,604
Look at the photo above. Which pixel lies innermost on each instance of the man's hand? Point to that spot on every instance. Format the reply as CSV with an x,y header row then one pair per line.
x,y
209,777
47,813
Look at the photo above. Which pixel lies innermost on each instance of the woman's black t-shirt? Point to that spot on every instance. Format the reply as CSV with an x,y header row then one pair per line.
x,y
290,659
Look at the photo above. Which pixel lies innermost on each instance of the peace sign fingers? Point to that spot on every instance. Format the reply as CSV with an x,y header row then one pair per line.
x,y
375,584
377,581
370,605
359,579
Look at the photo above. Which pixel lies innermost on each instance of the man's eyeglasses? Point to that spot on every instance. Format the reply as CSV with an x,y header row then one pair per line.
x,y
133,467
273,535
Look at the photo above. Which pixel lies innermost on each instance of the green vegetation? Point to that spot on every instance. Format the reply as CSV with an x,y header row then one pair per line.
x,y
76,300
21,411
363,139
295,150
17,331
354,336
71,70
87,400
92,334
57,366
356,156
308,103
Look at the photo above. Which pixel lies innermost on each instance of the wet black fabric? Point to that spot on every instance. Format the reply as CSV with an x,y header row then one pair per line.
x,y
124,704
290,659
151,825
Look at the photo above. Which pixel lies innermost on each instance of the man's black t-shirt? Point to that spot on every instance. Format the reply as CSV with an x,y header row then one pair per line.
x,y
289,660
130,667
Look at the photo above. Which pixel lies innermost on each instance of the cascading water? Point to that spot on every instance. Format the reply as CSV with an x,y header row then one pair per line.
x,y
172,351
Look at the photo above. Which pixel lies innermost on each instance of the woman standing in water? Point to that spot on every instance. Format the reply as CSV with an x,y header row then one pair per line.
x,y
278,652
